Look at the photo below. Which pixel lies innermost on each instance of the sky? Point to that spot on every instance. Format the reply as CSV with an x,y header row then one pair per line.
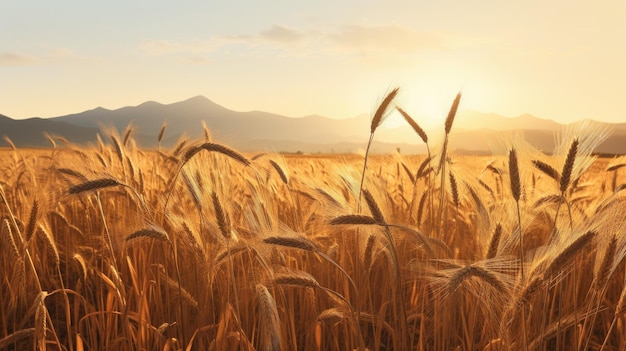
x,y
564,60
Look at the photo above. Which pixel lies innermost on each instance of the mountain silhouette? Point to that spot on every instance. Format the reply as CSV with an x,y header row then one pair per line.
x,y
237,128
32,131
473,132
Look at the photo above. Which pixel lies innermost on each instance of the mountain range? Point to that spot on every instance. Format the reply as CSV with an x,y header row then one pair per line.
x,y
473,132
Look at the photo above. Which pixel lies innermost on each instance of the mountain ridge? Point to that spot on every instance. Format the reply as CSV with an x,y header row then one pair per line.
x,y
266,131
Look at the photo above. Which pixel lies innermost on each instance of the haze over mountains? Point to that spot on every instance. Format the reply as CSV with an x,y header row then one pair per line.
x,y
474,132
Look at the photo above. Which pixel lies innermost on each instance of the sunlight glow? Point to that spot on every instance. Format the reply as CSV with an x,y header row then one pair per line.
x,y
428,106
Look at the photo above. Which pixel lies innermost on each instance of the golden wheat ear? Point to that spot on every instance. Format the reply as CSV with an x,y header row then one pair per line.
x,y
162,132
293,242
416,127
93,185
547,170
354,220
299,278
606,265
373,206
269,320
280,171
494,242
478,272
215,147
380,114
516,187
452,113
569,252
381,111
568,167
154,233
223,220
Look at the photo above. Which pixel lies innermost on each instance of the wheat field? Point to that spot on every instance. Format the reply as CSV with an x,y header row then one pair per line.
x,y
201,247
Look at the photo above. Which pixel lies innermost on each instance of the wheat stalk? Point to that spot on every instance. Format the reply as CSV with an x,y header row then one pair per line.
x,y
269,320
516,189
422,170
184,295
452,113
51,243
293,242
367,254
568,253
72,173
420,207
32,221
95,184
381,111
10,142
41,317
568,167
152,232
119,150
223,220
127,134
355,220
422,134
207,132
606,265
161,132
454,189
16,250
516,186
443,156
301,279
332,315
408,172
474,271
379,115
280,171
620,309
215,147
547,169
373,206
494,242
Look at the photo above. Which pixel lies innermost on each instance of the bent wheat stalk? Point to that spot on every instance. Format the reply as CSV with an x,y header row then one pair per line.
x,y
378,118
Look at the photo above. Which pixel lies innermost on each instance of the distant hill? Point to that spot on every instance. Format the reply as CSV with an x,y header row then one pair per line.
x,y
32,131
245,129
478,132
263,131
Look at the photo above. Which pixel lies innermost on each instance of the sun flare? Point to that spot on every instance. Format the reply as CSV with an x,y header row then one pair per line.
x,y
429,103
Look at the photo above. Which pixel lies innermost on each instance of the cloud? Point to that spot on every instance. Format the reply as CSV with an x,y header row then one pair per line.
x,y
13,59
367,42
163,47
281,34
47,55
389,37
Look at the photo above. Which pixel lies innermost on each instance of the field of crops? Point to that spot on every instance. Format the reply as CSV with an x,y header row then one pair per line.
x,y
201,247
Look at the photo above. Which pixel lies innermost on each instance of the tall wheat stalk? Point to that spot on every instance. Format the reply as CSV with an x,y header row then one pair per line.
x,y
516,191
442,160
377,119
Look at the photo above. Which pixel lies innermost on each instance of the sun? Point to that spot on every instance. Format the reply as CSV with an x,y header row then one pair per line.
x,y
428,109
429,104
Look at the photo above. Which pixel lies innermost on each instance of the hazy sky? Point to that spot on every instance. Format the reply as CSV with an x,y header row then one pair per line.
x,y
564,60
